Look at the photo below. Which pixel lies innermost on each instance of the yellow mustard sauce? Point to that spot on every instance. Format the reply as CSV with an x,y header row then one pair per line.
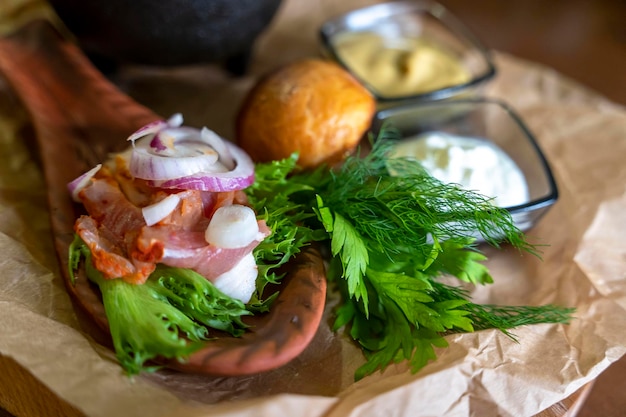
x,y
399,66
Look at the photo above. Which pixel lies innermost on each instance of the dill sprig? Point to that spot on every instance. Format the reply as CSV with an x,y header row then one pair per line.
x,y
393,196
503,318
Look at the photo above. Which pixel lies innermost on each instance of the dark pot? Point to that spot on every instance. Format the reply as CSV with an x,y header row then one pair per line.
x,y
168,32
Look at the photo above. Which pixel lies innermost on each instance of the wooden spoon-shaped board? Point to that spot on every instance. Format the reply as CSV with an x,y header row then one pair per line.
x,y
79,118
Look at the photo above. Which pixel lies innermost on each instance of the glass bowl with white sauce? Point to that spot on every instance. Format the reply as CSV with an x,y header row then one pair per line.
x,y
408,50
480,144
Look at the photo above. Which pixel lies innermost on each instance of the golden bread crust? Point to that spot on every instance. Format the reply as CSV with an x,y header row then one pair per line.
x,y
311,106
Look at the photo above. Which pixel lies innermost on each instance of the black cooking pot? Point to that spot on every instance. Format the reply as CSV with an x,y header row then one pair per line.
x,y
168,32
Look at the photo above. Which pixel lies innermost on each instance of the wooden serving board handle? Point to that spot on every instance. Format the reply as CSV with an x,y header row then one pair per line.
x,y
78,115
79,118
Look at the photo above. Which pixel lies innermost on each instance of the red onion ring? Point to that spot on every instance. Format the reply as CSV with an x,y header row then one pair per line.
x,y
240,177
172,152
169,155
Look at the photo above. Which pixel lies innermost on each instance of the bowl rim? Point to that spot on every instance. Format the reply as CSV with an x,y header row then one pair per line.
x,y
546,200
435,10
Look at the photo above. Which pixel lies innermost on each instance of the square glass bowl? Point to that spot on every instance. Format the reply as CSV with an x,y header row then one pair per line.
x,y
411,50
484,123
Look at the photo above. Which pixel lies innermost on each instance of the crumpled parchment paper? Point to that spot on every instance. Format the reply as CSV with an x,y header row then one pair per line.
x,y
484,373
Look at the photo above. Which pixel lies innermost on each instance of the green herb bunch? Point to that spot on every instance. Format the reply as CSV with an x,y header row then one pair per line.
x,y
393,230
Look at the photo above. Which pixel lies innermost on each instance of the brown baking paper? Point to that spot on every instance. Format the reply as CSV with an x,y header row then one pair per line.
x,y
485,373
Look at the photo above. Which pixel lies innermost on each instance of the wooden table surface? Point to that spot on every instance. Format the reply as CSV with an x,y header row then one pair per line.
x,y
582,39
586,41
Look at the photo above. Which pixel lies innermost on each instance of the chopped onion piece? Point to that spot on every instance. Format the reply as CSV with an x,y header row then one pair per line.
x,y
176,120
148,129
232,227
219,145
156,212
239,282
156,126
81,182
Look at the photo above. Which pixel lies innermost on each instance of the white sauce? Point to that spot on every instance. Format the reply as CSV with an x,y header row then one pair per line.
x,y
475,164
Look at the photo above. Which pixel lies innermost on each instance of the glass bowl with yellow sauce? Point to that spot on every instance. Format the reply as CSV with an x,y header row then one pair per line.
x,y
480,144
408,50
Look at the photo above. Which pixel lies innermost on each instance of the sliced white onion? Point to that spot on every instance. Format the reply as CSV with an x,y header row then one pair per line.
x,y
239,282
81,182
156,212
232,227
239,178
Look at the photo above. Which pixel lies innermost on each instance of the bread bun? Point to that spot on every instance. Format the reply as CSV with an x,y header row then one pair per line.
x,y
312,106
